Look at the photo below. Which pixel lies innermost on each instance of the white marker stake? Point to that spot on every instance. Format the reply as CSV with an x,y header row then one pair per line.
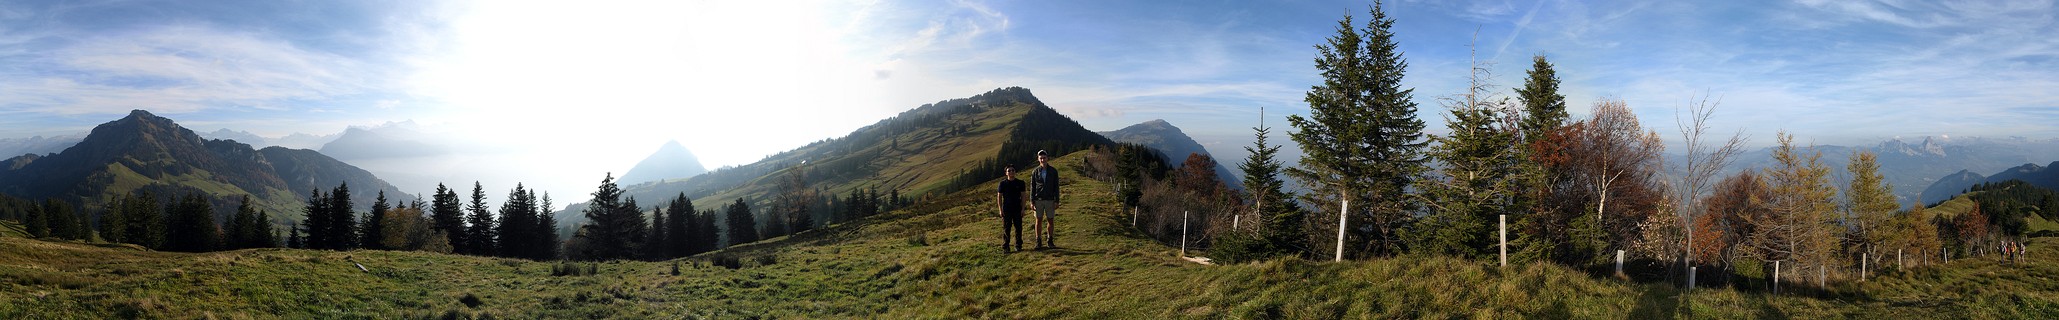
x,y
1340,229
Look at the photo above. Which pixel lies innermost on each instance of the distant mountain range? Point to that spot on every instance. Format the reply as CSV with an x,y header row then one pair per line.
x,y
292,141
1174,145
2046,176
1913,167
672,161
144,151
931,149
37,145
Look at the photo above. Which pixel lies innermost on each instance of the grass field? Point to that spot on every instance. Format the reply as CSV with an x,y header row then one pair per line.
x,y
941,259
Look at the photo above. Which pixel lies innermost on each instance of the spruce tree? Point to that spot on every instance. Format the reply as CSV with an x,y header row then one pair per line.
x,y
372,232
64,222
262,236
479,232
38,223
293,237
242,227
142,220
319,234
447,216
615,226
517,228
742,226
547,230
343,219
192,226
1542,226
681,228
1362,138
656,244
1282,217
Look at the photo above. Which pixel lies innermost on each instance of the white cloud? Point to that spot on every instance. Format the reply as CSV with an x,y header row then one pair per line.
x,y
182,68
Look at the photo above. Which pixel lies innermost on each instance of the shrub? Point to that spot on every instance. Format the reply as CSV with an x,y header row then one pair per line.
x,y
1239,247
470,301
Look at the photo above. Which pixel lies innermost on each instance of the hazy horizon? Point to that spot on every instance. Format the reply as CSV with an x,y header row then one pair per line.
x,y
561,93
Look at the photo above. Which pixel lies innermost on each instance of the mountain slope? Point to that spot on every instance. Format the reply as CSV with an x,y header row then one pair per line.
x,y
144,151
672,161
1949,186
931,149
940,259
1174,145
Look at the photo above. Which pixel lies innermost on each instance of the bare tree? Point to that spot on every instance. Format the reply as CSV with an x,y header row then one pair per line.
x,y
1704,159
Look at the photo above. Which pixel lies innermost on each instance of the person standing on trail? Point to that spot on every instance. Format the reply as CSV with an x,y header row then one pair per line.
x,y
1044,199
1010,199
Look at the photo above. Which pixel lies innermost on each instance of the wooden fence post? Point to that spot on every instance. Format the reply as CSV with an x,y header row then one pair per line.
x,y
1619,262
1504,240
1341,215
1776,276
1183,234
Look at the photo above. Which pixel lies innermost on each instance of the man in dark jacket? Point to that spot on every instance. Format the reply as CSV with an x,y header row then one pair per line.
x,y
1010,199
1044,199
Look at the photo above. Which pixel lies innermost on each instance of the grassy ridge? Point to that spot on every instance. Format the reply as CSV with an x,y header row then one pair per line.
x,y
941,260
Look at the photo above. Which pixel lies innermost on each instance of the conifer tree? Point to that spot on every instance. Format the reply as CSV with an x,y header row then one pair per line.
x,y
547,230
1283,218
1541,225
447,216
517,229
1362,139
1872,204
192,226
294,238
479,232
372,232
656,245
319,234
343,219
262,235
742,225
142,221
615,225
241,227
1476,183
682,228
37,223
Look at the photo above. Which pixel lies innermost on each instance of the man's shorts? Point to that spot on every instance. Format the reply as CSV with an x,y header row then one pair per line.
x,y
1046,208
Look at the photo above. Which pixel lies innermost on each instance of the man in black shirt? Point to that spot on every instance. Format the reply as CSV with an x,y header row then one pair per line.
x,y
1010,199
1044,199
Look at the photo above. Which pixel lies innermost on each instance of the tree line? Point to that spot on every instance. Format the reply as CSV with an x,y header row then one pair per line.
x,y
1574,190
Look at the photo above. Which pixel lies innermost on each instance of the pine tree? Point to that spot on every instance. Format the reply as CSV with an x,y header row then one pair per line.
x,y
293,237
547,231
710,237
517,229
1283,218
479,231
1541,226
112,219
1362,139
742,226
447,216
192,226
319,234
242,226
373,230
262,235
142,220
657,245
343,219
615,225
1477,182
38,223
682,228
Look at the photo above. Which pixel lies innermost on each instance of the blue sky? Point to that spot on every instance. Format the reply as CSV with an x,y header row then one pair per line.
x,y
596,85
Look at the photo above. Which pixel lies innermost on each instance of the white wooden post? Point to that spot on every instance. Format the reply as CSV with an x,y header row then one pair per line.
x,y
1619,262
1183,234
1690,277
1776,276
1133,217
1862,267
1340,229
1504,240
1236,221
1898,259
1822,273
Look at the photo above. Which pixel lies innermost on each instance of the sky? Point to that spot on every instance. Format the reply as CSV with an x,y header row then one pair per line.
x,y
576,90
